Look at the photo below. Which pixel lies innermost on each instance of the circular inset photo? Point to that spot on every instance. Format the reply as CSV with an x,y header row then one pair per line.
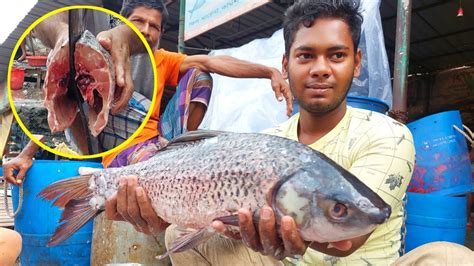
x,y
77,82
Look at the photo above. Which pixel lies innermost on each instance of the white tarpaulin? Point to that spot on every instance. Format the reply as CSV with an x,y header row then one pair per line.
x,y
249,105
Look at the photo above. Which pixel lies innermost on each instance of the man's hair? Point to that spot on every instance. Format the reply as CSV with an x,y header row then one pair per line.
x,y
130,5
305,12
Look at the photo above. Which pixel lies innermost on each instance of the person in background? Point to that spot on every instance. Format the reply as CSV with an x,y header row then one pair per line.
x,y
150,17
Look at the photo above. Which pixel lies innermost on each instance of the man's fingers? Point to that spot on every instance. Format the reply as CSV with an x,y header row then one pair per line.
x,y
292,240
122,200
21,175
154,223
122,101
277,90
247,230
120,72
104,41
267,231
289,108
111,209
124,91
8,175
221,228
218,226
133,209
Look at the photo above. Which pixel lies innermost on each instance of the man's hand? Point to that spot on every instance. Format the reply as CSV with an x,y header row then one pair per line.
x,y
19,163
264,237
131,204
116,42
282,89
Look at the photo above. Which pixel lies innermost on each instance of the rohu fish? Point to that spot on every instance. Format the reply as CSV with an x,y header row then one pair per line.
x,y
204,176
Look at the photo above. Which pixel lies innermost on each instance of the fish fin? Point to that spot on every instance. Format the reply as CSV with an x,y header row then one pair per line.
x,y
232,219
75,215
189,241
67,189
191,136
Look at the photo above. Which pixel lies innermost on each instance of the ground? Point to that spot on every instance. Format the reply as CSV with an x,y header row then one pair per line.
x,y
29,106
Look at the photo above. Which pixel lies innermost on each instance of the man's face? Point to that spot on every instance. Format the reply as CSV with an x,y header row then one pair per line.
x,y
148,22
321,65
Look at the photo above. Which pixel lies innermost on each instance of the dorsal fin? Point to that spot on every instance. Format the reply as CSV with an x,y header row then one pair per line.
x,y
193,136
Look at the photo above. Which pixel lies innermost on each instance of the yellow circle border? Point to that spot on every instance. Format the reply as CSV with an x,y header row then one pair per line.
x,y
10,98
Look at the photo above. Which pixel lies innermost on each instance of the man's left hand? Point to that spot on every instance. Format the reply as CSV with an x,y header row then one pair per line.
x,y
264,237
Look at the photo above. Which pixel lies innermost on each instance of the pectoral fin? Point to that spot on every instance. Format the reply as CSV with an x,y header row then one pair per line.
x,y
188,241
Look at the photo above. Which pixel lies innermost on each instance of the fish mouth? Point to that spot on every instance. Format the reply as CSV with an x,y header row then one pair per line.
x,y
381,216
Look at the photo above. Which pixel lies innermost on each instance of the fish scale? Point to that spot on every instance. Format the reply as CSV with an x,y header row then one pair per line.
x,y
207,175
178,170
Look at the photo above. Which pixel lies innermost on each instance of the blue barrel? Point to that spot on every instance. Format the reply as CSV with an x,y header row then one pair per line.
x,y
434,218
442,160
38,219
367,103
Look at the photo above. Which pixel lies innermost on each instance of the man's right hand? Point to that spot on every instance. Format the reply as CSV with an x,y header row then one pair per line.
x,y
131,204
19,163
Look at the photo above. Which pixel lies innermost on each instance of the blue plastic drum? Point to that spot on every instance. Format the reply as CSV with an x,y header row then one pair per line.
x,y
38,219
442,160
434,218
367,103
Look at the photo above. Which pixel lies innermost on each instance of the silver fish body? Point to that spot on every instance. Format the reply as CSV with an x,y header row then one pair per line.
x,y
207,175
199,181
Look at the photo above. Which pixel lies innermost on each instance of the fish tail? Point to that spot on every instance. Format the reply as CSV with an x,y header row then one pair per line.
x,y
77,213
73,195
67,189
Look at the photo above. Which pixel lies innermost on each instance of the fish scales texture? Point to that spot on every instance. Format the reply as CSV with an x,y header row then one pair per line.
x,y
193,182
210,178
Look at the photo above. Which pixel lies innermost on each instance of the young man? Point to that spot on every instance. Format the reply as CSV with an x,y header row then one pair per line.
x,y
321,58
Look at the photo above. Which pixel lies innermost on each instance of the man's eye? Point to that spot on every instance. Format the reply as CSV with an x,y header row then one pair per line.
x,y
338,56
304,56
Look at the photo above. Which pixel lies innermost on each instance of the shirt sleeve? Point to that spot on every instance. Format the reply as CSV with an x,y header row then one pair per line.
x,y
172,63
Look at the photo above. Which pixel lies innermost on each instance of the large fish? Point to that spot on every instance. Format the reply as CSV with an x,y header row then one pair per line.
x,y
204,176
95,78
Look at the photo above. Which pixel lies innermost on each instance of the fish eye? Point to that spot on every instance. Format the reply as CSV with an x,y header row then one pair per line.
x,y
339,210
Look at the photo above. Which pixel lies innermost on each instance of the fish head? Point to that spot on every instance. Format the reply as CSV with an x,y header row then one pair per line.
x,y
329,205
